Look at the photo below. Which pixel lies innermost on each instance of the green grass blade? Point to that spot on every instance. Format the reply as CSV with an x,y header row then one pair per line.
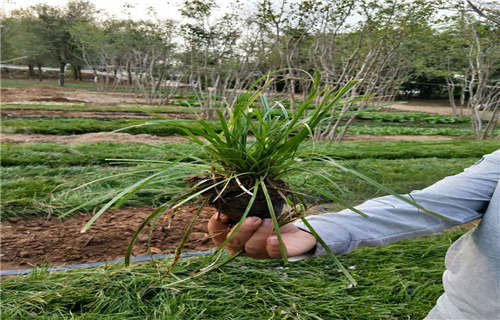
x,y
161,209
132,188
336,199
329,251
275,222
385,189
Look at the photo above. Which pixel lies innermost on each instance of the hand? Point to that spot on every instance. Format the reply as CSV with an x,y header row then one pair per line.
x,y
257,238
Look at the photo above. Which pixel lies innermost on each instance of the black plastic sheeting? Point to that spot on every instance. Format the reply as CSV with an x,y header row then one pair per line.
x,y
102,263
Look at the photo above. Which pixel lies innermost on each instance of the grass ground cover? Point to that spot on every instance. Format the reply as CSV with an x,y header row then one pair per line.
x,y
392,130
65,126
52,106
398,281
411,117
38,190
55,155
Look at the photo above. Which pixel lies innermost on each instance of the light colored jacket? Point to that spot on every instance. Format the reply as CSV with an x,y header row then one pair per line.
x,y
472,277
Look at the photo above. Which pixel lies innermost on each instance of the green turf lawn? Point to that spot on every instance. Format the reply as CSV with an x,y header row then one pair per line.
x,y
36,179
144,109
376,117
66,126
398,281
55,155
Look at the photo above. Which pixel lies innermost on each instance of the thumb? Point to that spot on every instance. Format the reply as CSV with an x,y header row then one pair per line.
x,y
296,242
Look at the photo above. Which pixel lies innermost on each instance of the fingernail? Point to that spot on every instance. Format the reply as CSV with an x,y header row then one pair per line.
x,y
267,222
252,221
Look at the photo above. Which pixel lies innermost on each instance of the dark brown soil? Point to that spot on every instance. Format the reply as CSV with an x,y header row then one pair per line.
x,y
90,114
49,241
233,198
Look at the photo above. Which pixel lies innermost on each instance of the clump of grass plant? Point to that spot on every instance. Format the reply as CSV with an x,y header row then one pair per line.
x,y
249,159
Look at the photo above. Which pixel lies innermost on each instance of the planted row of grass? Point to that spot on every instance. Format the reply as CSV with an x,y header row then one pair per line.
x,y
393,130
398,281
191,107
54,106
411,117
55,155
41,190
66,126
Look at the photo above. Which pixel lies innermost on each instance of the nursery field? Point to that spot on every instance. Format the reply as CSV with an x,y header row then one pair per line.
x,y
54,141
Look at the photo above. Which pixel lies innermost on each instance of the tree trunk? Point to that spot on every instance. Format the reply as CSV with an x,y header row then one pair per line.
x,y
31,71
75,72
62,69
451,96
129,73
40,75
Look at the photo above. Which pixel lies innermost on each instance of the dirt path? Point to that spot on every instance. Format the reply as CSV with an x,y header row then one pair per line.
x,y
436,107
433,106
40,241
86,138
43,92
90,114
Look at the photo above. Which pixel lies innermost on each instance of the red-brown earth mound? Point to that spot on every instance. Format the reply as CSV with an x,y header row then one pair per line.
x,y
49,241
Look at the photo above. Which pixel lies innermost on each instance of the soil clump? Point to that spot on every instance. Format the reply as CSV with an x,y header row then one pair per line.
x,y
42,241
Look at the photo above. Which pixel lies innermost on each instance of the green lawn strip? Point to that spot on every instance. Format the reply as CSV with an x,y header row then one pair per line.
x,y
40,190
420,125
191,107
89,154
393,130
383,116
67,126
397,281
56,155
52,106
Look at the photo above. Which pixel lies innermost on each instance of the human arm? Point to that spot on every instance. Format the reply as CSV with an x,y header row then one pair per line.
x,y
461,198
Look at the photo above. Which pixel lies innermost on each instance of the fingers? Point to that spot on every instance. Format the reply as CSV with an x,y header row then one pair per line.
x,y
255,247
247,229
257,237
218,228
296,242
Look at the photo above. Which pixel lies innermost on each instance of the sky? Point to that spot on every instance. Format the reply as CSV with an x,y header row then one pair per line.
x,y
166,9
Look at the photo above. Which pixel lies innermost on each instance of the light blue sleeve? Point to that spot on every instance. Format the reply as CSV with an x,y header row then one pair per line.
x,y
461,198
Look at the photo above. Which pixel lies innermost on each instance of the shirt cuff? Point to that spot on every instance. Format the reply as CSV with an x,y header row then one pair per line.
x,y
336,238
